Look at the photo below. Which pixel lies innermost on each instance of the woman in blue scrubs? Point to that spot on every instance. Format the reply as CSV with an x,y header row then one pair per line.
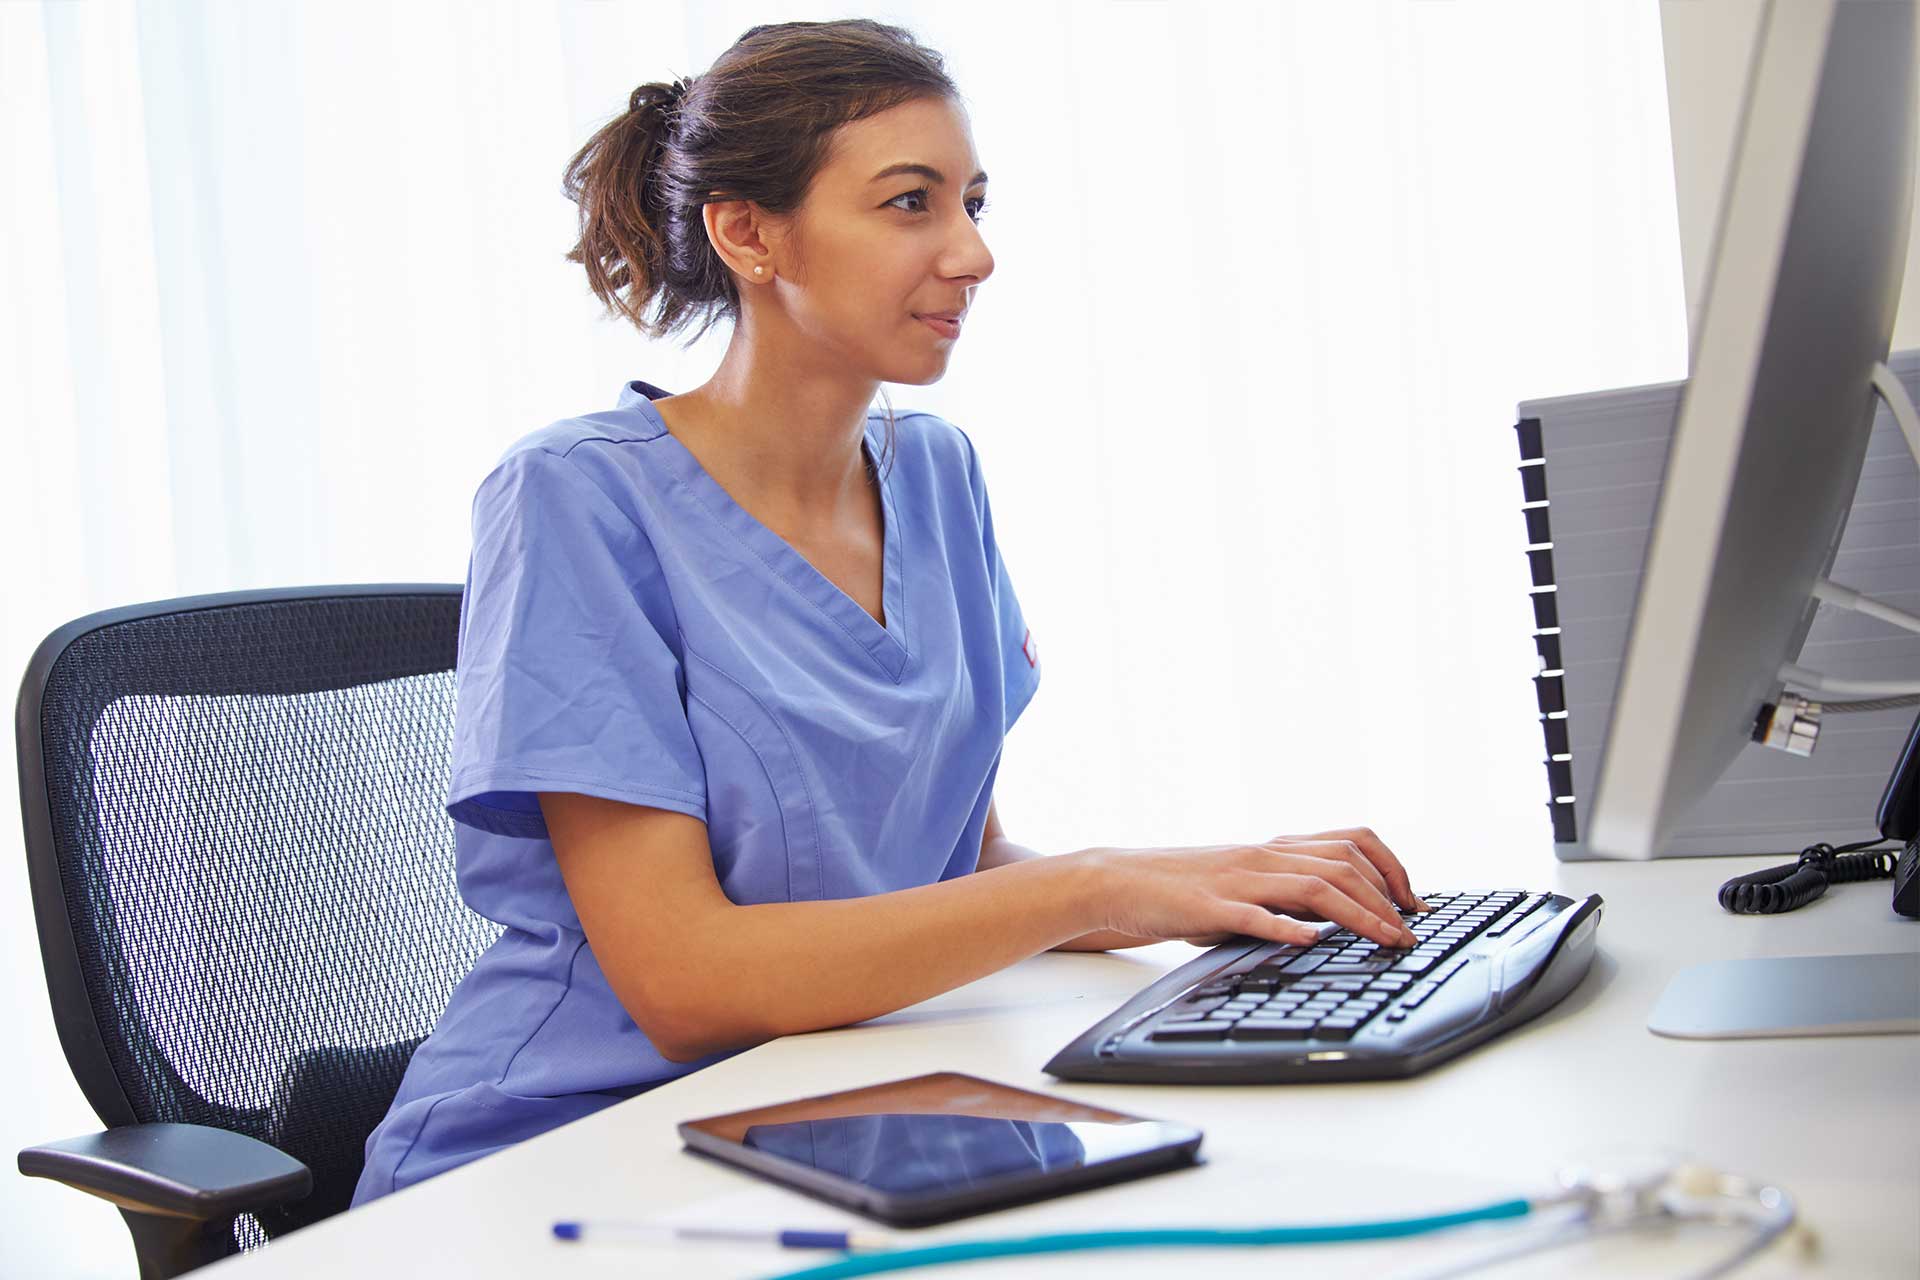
x,y
736,664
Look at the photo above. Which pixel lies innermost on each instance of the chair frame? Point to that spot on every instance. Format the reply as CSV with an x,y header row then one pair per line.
x,y
179,1186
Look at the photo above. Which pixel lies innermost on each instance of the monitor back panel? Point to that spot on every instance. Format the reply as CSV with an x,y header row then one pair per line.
x,y
1591,467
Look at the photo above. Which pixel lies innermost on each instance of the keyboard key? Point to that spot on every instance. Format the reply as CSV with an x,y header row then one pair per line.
x,y
1348,968
1300,966
1277,1029
1519,913
1416,963
1215,1030
1337,1028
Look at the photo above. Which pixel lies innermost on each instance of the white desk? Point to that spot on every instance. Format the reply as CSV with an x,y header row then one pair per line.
x,y
1835,1121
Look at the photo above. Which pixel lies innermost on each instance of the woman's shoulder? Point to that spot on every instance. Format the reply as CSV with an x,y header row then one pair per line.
x,y
566,436
585,478
944,452
590,447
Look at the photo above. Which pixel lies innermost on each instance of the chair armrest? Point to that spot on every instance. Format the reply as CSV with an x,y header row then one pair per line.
x,y
179,1170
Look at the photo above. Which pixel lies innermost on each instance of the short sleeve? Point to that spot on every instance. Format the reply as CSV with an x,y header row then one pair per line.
x,y
565,677
1019,651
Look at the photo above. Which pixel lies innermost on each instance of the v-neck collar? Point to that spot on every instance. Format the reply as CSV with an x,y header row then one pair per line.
x,y
886,645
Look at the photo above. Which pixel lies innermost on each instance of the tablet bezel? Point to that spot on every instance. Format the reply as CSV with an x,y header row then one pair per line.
x,y
1176,1146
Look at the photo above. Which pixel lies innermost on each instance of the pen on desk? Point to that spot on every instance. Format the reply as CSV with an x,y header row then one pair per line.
x,y
635,1232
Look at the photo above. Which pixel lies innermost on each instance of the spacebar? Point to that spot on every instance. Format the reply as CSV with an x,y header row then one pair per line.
x,y
1372,964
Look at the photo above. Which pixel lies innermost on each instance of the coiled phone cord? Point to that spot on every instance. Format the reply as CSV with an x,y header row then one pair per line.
x,y
1788,888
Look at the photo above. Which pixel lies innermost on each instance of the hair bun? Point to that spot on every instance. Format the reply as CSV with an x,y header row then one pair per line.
x,y
659,94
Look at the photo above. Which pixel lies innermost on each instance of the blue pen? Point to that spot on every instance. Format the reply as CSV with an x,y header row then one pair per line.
x,y
638,1232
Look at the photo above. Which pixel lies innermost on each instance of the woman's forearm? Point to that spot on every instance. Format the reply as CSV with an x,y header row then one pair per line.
x,y
1004,852
773,969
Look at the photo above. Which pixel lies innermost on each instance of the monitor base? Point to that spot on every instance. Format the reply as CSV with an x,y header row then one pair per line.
x,y
1849,995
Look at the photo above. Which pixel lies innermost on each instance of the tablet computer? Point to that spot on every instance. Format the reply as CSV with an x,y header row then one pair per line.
x,y
937,1147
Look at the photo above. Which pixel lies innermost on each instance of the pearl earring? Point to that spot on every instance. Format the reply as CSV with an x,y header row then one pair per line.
x,y
758,270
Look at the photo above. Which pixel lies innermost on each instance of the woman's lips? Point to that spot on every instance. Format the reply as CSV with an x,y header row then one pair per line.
x,y
945,328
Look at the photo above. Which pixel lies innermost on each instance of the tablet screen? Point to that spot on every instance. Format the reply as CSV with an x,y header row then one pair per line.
x,y
936,1136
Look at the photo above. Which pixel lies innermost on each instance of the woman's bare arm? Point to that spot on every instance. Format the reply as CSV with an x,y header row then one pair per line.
x,y
996,850
700,974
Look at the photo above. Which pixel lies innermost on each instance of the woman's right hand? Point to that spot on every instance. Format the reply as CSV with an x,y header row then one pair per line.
x,y
1209,891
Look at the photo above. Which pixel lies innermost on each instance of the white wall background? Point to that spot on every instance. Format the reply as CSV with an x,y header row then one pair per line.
x,y
278,282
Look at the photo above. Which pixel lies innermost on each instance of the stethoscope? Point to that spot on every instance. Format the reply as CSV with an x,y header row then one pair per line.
x,y
1659,1192
1586,1203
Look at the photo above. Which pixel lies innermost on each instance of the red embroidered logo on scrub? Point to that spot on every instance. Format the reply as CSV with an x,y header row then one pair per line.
x,y
1032,650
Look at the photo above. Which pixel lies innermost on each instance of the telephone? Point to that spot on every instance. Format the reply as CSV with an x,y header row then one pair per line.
x,y
1900,820
1790,887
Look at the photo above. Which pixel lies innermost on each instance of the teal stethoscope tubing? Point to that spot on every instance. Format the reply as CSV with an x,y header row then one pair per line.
x,y
867,1264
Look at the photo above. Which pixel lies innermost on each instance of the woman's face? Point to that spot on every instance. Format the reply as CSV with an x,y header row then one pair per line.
x,y
877,244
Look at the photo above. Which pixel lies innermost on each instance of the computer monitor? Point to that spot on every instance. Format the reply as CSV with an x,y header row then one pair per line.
x,y
1789,351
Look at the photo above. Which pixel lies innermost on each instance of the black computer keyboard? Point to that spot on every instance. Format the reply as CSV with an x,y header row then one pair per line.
x,y
1346,1008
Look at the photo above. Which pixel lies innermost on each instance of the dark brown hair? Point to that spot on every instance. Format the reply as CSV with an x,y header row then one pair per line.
x,y
755,126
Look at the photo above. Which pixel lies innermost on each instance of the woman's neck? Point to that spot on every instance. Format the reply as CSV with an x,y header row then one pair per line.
x,y
791,444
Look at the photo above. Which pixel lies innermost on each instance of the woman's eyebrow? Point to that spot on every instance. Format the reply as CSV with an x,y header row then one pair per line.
x,y
925,171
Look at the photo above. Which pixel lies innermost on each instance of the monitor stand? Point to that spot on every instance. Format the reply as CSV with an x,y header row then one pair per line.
x,y
1792,996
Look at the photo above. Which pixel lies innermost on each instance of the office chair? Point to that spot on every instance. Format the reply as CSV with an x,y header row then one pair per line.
x,y
242,876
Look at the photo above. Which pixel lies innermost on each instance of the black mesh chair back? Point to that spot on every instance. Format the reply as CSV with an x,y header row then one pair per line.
x,y
241,864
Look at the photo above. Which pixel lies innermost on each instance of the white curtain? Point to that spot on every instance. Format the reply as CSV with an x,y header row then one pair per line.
x,y
279,281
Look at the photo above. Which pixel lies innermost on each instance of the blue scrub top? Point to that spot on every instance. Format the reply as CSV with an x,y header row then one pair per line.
x,y
629,631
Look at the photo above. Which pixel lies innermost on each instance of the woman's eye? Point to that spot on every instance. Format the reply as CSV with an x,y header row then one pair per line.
x,y
976,206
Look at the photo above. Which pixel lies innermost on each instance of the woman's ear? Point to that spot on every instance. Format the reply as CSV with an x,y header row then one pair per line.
x,y
744,235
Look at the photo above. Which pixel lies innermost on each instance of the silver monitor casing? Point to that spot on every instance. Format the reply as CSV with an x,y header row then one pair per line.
x,y
1773,426
1601,456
